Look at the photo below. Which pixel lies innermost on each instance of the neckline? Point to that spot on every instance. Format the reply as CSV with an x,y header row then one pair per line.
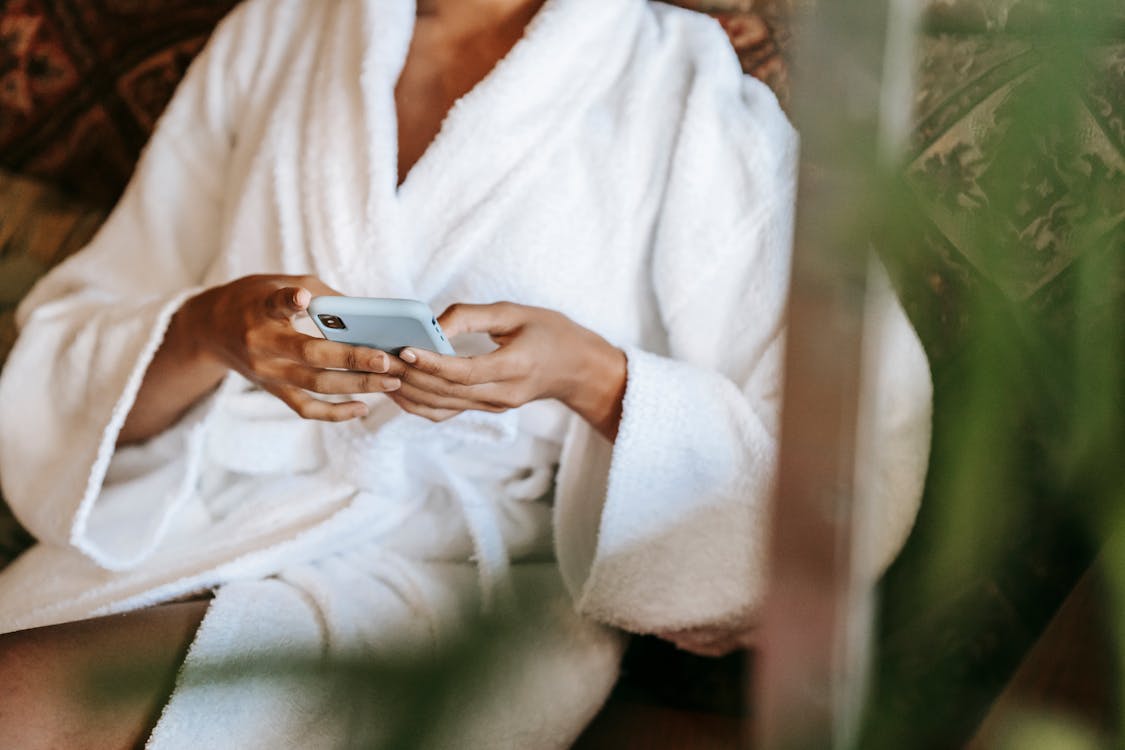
x,y
452,116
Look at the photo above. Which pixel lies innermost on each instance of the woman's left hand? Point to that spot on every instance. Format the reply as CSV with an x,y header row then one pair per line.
x,y
542,354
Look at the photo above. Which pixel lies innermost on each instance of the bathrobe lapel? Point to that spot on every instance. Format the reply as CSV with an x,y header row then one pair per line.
x,y
450,201
370,237
345,142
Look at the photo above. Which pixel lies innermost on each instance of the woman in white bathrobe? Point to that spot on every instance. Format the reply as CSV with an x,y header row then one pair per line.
x,y
593,184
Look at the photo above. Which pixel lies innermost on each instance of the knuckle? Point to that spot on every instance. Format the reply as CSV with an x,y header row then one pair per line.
x,y
318,382
260,368
443,388
371,383
521,394
378,362
248,338
335,414
276,372
306,350
467,374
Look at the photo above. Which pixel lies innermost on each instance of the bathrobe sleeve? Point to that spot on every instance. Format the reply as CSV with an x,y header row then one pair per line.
x,y
667,528
90,328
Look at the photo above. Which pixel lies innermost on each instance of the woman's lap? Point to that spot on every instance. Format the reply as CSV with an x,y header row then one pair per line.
x,y
94,683
54,676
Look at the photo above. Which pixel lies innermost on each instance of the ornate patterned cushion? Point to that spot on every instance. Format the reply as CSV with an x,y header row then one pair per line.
x,y
82,83
968,108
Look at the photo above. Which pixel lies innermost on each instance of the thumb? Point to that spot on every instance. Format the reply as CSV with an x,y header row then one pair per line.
x,y
495,319
287,301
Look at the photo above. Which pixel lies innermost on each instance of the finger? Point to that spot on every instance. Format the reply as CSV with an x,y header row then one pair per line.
x,y
495,319
338,382
287,301
435,384
439,401
487,396
313,408
498,396
322,354
487,368
434,415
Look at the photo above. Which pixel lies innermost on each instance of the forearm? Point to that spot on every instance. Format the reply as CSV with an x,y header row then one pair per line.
x,y
180,374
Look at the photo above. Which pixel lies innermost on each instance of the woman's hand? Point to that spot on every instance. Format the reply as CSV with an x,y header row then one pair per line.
x,y
246,326
543,354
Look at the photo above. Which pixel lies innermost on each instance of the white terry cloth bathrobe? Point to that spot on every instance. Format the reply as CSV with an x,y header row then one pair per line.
x,y
615,166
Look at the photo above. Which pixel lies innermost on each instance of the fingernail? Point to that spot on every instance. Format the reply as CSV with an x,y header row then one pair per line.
x,y
409,356
392,384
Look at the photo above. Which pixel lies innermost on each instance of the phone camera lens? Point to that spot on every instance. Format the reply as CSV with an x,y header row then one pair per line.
x,y
331,321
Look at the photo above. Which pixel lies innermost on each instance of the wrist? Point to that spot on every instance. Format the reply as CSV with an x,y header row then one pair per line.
x,y
189,329
600,387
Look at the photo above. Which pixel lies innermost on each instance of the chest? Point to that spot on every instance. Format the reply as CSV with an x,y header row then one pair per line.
x,y
443,63
556,220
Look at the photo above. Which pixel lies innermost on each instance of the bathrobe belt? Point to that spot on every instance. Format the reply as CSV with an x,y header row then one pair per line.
x,y
395,459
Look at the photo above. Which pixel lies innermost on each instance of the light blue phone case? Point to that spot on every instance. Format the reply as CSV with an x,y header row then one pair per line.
x,y
387,324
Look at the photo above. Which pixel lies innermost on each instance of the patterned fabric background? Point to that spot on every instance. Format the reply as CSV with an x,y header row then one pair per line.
x,y
964,111
83,82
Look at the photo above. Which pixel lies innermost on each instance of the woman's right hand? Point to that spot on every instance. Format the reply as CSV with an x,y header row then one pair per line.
x,y
247,326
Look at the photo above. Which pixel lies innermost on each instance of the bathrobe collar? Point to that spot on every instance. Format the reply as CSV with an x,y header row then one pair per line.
x,y
568,56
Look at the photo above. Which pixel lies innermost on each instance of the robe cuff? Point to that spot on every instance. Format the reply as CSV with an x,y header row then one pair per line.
x,y
665,528
126,506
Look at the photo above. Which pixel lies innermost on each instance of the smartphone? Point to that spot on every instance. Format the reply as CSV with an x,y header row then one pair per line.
x,y
387,324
